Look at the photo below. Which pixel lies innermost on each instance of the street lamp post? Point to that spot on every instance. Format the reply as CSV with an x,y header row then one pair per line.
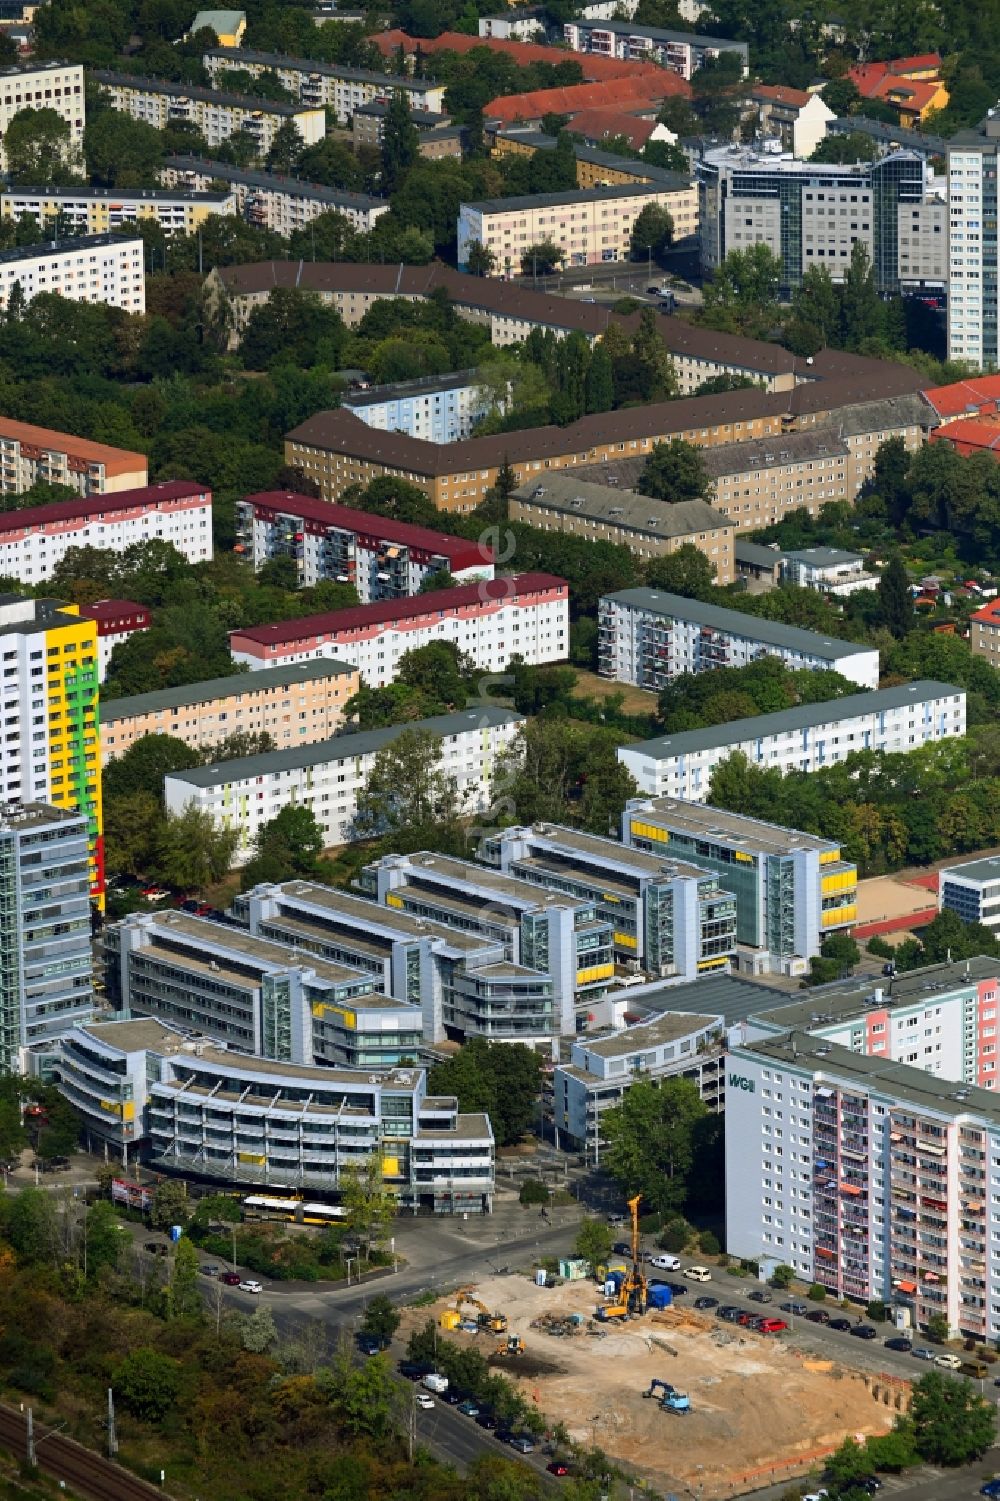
x,y
348,1260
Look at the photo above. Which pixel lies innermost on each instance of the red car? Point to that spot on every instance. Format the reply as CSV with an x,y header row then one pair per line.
x,y
746,1318
231,1279
772,1326
557,1467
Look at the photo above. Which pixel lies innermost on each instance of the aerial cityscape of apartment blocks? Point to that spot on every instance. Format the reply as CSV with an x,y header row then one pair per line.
x,y
296,704
49,695
116,620
669,917
382,558
328,777
45,956
34,540
324,85
802,739
95,211
216,115
526,615
790,889
56,86
269,200
104,268
649,638
29,454
192,1108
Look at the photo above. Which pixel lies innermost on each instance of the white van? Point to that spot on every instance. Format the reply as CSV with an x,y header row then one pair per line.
x,y
435,1382
665,1263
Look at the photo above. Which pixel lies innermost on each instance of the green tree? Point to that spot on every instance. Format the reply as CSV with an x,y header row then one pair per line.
x,y
594,1241
860,308
653,369
845,150
286,148
650,1141
400,143
937,1328
502,1079
105,1240
815,313
440,672
132,825
841,95
742,295
60,1134
479,259
289,844
363,1397
39,151
183,1292
147,1384
170,1204
847,1465
952,1424
381,1318
600,383
838,955
145,764
31,1226
369,1204
122,152
258,1331
895,602
652,232
542,258
293,327
194,851
408,801
675,471
687,572
783,1276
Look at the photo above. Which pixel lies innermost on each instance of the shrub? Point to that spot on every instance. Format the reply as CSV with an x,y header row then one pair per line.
x,y
147,1384
877,1311
675,1237
817,1293
533,1191
709,1243
783,1276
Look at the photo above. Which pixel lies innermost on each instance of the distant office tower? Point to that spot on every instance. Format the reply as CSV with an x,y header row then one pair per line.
x,y
48,699
45,960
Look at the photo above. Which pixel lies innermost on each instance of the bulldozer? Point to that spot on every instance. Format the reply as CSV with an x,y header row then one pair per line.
x,y
633,1294
671,1399
514,1346
492,1323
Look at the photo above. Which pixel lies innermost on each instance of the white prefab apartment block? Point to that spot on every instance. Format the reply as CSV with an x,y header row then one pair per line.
x,y
973,160
216,115
92,268
268,200
382,558
680,51
526,616
99,210
327,777
33,541
648,638
326,85
589,225
807,738
57,86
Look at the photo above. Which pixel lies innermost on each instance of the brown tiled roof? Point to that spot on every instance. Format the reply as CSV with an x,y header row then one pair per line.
x,y
115,460
594,66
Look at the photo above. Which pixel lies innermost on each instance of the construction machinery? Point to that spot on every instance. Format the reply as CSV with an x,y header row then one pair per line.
x,y
633,1294
514,1346
671,1399
493,1323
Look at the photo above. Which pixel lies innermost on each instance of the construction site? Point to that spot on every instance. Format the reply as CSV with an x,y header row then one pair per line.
x,y
755,1402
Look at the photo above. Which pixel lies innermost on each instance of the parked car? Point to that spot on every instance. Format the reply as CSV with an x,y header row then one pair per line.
x,y
745,1318
369,1344
792,1307
486,1420
922,1353
898,1342
760,1295
818,1316
251,1285
705,1302
454,1395
947,1361
232,1279
425,1400
558,1467
665,1263
677,1288
469,1408
413,1369
210,1269
843,1326
522,1443
990,1488
698,1273
729,1312
771,1326
868,1331
622,1248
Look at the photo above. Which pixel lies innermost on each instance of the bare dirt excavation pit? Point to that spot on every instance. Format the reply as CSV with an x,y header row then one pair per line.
x,y
756,1403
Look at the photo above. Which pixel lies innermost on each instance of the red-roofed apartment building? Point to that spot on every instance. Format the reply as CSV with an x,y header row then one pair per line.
x,y
29,454
595,69
984,633
797,119
383,559
912,85
116,621
977,396
526,616
648,90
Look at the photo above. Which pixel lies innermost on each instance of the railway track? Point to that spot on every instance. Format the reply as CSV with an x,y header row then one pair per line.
x,y
85,1473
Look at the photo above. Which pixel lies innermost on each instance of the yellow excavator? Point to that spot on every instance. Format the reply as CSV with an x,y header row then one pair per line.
x,y
634,1291
494,1323
513,1346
